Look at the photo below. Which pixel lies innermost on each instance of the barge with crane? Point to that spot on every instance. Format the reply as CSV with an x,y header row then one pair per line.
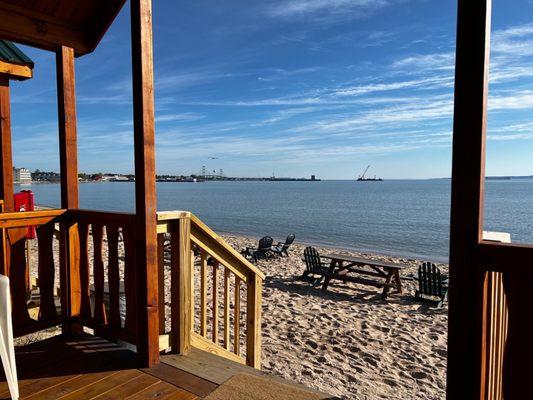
x,y
364,178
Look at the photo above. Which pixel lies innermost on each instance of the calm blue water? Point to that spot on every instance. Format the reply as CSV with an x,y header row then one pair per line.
x,y
405,218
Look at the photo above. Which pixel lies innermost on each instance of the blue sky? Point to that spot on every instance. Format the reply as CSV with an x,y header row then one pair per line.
x,y
290,87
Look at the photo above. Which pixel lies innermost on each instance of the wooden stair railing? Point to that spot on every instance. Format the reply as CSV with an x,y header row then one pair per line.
x,y
214,293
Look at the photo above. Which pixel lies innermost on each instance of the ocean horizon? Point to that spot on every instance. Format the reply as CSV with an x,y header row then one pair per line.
x,y
403,218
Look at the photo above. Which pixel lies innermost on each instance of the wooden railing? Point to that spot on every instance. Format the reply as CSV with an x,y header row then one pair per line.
x,y
214,293
209,295
14,229
77,253
102,249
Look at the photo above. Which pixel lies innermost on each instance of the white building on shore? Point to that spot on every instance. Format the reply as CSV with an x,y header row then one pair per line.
x,y
21,175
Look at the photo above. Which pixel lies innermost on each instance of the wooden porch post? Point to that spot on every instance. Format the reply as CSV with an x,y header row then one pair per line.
x,y
145,192
466,341
6,165
6,160
68,148
68,159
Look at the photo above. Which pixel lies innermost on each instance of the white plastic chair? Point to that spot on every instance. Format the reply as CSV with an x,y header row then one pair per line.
x,y
7,347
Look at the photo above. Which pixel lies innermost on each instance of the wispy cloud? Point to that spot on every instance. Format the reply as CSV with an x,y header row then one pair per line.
x,y
427,83
437,61
324,10
513,100
182,117
286,114
277,74
516,40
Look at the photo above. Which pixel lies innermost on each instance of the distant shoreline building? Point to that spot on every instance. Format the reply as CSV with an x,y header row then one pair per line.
x,y
22,175
44,176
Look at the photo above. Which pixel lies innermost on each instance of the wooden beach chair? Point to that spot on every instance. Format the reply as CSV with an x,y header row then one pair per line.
x,y
431,283
262,251
283,248
315,268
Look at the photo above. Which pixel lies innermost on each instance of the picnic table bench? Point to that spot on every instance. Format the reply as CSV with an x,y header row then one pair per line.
x,y
383,274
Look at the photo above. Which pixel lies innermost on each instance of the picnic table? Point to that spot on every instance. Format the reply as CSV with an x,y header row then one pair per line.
x,y
383,274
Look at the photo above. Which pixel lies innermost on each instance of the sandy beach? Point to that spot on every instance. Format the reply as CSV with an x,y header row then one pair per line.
x,y
347,341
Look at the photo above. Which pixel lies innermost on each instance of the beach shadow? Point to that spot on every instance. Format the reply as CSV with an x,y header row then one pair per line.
x,y
295,285
338,291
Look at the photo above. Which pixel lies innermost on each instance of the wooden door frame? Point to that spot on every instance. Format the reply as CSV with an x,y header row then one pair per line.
x,y
489,301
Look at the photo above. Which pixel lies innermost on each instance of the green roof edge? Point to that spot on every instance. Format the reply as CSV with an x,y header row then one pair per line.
x,y
12,54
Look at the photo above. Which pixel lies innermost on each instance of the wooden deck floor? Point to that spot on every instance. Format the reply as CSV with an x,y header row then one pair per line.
x,y
90,368
218,370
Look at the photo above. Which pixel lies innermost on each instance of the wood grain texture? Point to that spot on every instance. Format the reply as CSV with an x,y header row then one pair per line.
x,y
237,318
505,257
6,167
73,270
203,293
218,370
66,106
145,192
89,367
199,342
68,166
6,158
113,276
161,281
182,379
100,316
253,317
222,250
227,300
15,71
48,24
27,218
514,375
46,271
209,252
85,301
16,241
182,316
214,305
218,253
130,279
102,217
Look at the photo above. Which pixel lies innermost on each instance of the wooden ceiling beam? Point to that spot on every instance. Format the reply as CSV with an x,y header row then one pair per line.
x,y
15,71
40,33
78,24
38,14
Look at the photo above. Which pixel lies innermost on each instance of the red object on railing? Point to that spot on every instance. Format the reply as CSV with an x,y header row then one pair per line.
x,y
24,202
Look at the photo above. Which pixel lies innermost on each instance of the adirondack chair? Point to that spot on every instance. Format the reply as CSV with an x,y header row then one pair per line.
x,y
262,251
431,283
314,266
283,248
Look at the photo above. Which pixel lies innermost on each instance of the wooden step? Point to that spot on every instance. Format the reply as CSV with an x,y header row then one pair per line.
x,y
218,370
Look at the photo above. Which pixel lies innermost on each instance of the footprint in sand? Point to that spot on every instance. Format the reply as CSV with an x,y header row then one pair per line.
x,y
441,352
383,329
418,374
390,382
371,361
